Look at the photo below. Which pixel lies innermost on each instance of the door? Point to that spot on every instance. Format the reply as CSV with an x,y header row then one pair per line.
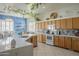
x,y
67,42
75,23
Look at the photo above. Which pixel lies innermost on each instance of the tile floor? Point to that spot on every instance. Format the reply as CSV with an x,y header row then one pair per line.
x,y
47,50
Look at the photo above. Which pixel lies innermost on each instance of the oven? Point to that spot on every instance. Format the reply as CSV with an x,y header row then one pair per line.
x,y
49,39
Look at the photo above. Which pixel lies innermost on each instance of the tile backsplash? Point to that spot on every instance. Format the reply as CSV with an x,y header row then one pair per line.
x,y
69,32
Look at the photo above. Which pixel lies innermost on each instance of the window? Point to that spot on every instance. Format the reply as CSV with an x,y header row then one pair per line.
x,y
6,25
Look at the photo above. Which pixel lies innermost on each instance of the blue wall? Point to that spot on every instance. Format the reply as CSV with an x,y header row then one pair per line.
x,y
19,22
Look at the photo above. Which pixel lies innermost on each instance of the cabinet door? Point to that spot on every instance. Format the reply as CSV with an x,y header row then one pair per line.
x,y
57,24
46,25
75,44
39,38
56,41
61,41
43,38
34,41
43,25
75,23
67,42
63,24
69,23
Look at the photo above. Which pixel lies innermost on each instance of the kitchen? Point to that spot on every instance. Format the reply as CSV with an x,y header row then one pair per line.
x,y
55,32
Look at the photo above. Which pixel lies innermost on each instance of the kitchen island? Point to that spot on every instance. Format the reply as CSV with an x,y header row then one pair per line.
x,y
22,48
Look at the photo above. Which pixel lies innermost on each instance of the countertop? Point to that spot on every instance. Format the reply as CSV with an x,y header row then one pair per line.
x,y
58,35
20,42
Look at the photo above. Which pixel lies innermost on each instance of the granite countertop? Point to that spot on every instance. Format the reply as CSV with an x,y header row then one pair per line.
x,y
20,42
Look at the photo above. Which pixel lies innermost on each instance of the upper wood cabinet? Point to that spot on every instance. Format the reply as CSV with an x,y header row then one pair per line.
x,y
57,24
76,23
46,24
43,25
69,23
63,24
67,42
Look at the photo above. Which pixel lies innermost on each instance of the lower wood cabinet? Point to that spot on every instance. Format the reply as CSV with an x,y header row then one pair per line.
x,y
39,36
56,41
43,38
61,41
75,44
33,40
67,42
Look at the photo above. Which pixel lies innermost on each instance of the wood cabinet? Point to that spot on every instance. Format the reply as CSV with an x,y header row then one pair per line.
x,y
56,41
43,25
75,23
69,23
63,24
75,44
43,38
57,24
46,25
39,38
33,40
61,41
67,42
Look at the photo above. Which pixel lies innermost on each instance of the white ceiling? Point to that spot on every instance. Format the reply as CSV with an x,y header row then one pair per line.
x,y
44,9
